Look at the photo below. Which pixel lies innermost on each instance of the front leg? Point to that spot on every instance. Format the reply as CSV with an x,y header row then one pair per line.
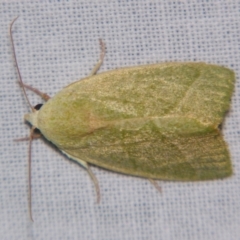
x,y
43,95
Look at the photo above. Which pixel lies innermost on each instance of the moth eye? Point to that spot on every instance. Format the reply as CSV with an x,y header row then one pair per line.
x,y
38,106
37,131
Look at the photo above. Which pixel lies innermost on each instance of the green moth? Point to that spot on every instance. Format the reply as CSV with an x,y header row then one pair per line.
x,y
157,121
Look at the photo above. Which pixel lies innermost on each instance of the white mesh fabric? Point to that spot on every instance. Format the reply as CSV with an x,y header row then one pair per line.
x,y
56,44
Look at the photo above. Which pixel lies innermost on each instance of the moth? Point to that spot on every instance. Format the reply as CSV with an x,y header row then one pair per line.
x,y
157,121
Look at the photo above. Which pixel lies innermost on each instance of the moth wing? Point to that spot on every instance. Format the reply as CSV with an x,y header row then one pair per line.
x,y
149,149
195,90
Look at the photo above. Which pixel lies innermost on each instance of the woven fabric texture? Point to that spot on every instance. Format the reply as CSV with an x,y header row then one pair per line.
x,y
57,43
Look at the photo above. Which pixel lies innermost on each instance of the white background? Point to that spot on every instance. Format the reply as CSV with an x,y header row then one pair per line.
x,y
56,44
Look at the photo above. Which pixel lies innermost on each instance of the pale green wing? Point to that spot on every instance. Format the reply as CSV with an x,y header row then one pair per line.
x,y
196,90
188,151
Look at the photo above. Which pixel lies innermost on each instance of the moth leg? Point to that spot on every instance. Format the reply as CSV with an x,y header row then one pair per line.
x,y
34,136
95,181
155,184
91,174
100,61
35,90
